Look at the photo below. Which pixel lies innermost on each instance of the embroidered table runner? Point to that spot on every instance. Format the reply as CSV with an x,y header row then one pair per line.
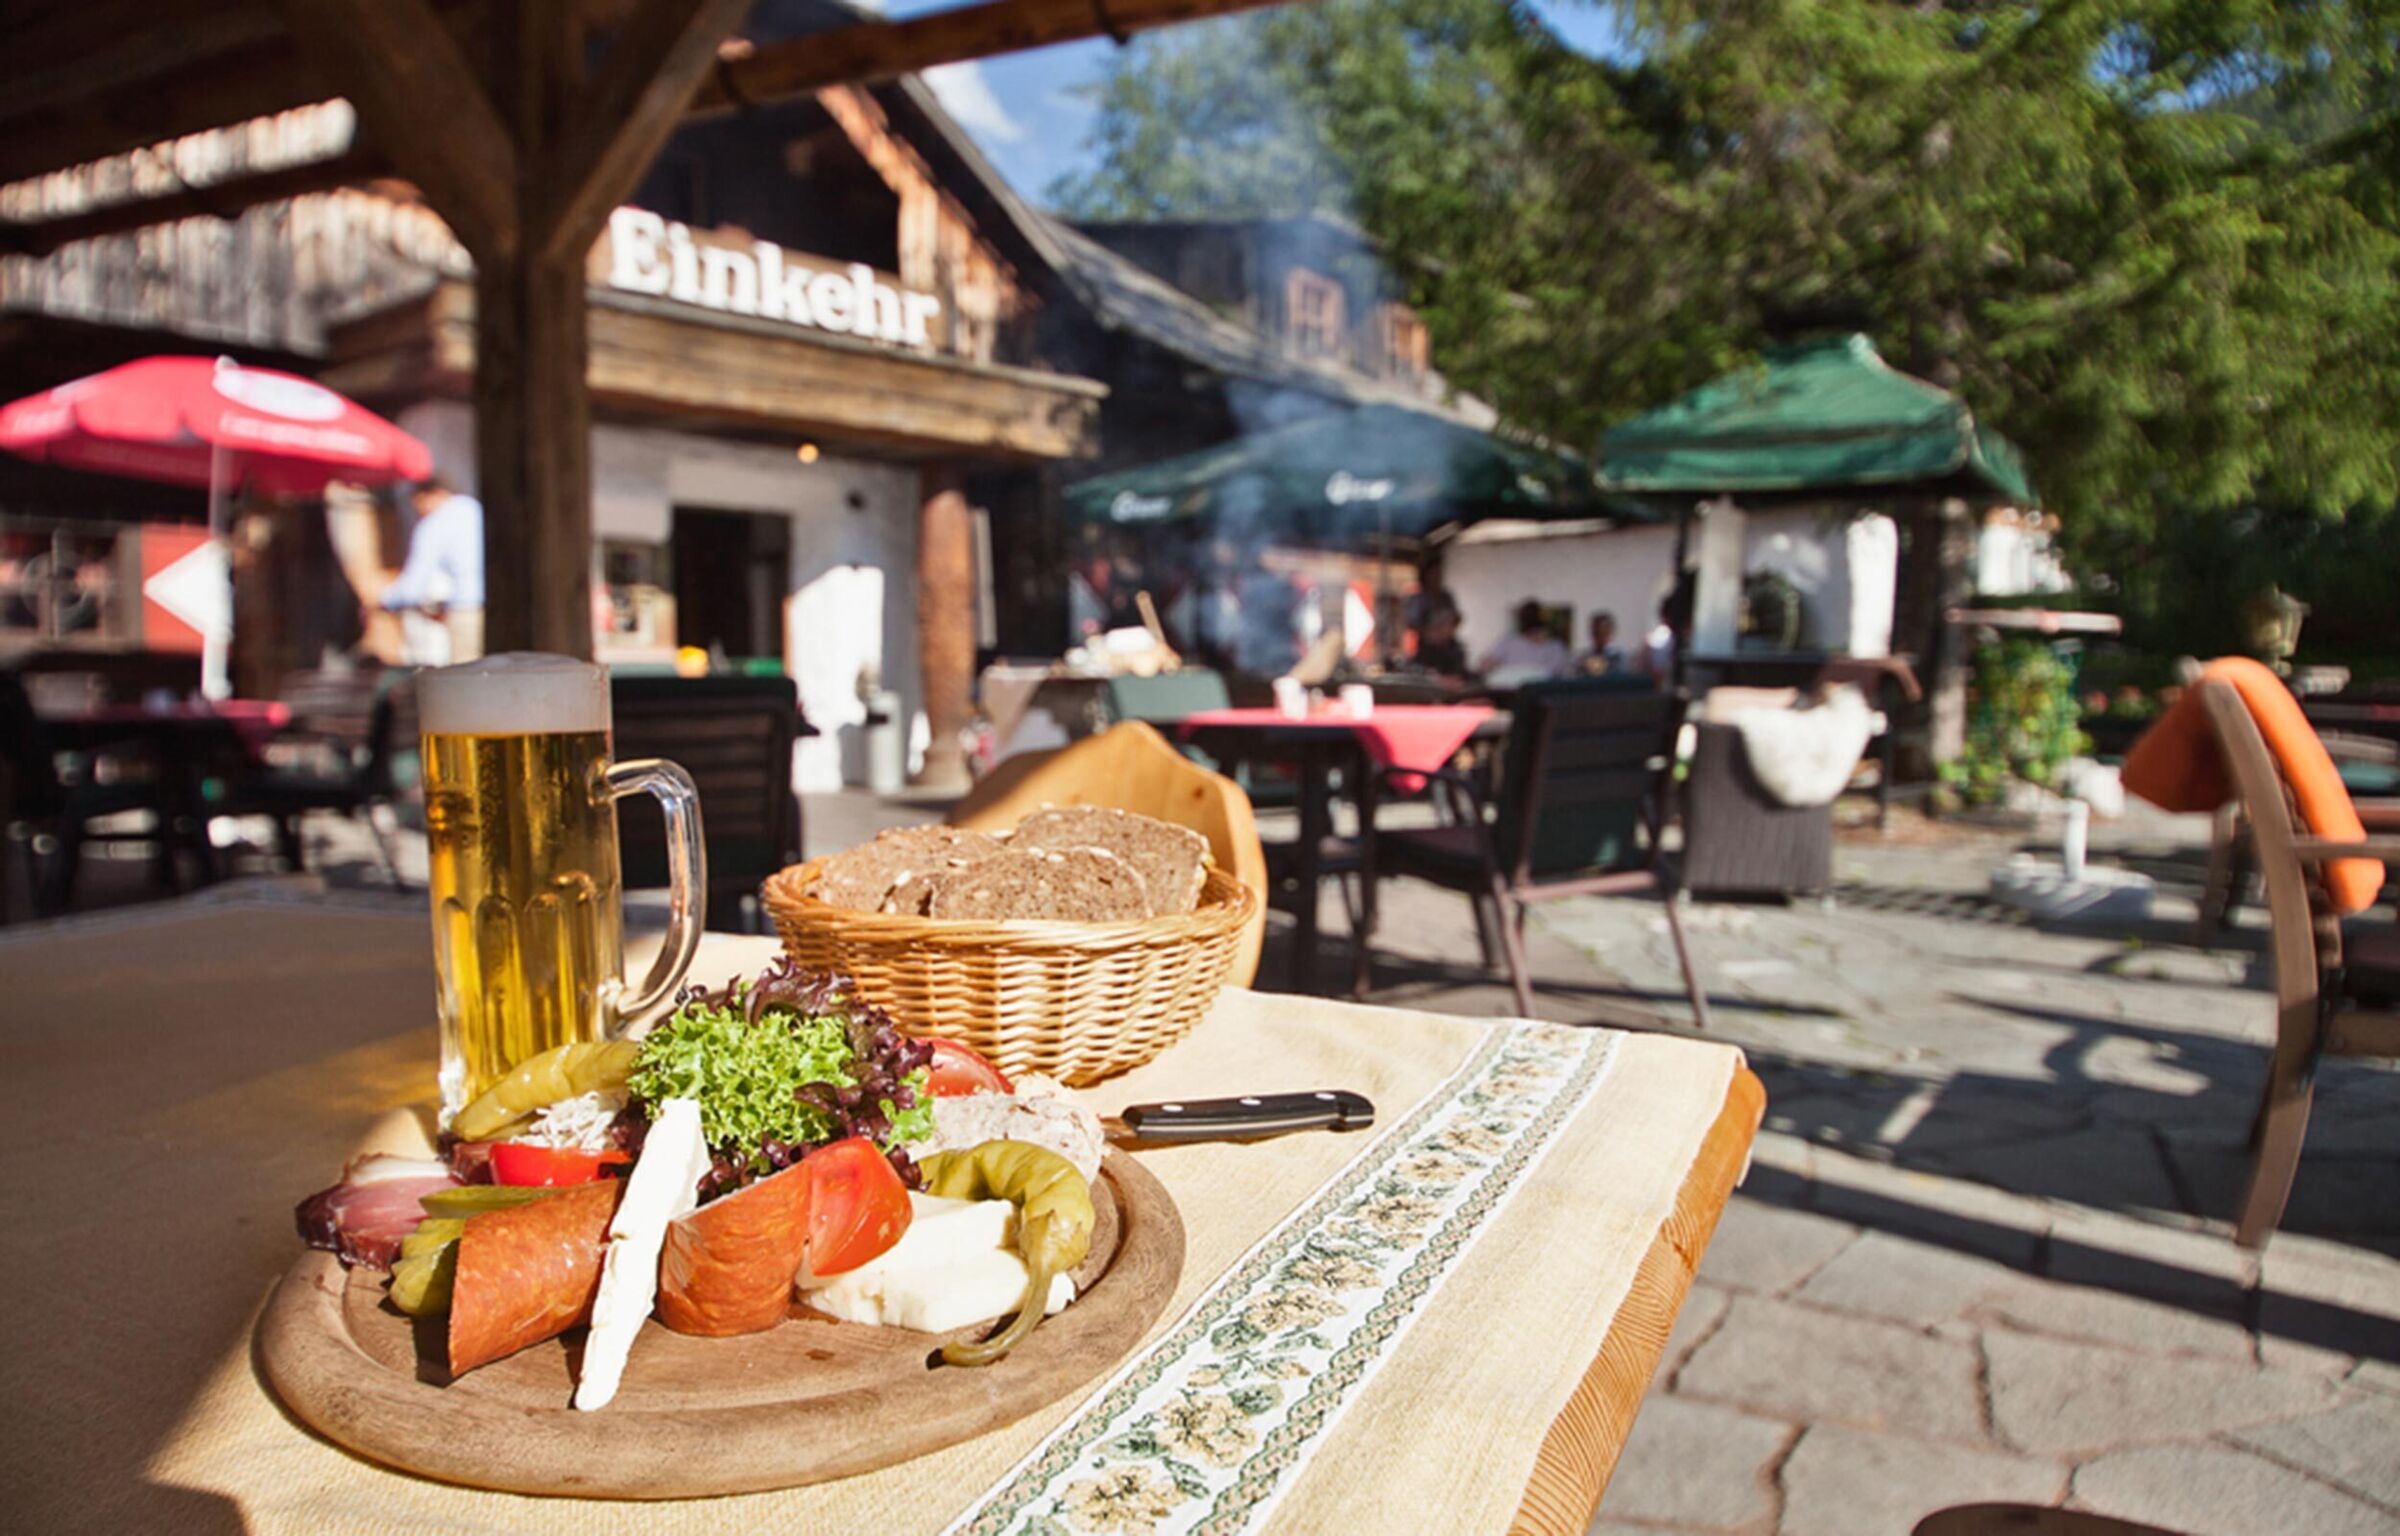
x,y
1373,1332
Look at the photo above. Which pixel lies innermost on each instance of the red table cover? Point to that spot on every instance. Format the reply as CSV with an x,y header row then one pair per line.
x,y
1410,738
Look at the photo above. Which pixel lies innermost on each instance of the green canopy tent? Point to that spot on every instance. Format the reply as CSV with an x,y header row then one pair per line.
x,y
1812,421
1811,418
1380,467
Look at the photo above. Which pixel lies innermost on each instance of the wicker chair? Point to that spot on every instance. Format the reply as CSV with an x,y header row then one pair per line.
x,y
2336,993
1132,768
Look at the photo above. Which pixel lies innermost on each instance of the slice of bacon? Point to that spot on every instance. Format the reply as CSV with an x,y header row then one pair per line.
x,y
528,1273
375,1205
728,1267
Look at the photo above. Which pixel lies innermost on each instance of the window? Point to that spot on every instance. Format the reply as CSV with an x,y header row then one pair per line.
x,y
1406,352
1312,315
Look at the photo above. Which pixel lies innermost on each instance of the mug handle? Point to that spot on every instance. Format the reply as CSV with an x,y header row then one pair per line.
x,y
687,878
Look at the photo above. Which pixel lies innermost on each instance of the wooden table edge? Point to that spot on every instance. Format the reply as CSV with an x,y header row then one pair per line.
x,y
1579,1454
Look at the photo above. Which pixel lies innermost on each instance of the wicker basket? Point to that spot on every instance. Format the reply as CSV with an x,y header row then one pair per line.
x,y
1074,1001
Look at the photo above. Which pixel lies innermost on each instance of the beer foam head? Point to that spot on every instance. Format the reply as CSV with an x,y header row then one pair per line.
x,y
517,693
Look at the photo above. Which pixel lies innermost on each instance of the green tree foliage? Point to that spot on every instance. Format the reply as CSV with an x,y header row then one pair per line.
x,y
2155,241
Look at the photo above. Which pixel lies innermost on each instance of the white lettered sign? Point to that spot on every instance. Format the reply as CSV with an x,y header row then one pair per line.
x,y
652,255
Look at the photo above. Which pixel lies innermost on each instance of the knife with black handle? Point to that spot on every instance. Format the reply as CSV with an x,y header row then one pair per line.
x,y
1252,1115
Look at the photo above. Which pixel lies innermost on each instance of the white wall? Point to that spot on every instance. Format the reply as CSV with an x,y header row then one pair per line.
x,y
1627,570
1624,571
447,428
847,515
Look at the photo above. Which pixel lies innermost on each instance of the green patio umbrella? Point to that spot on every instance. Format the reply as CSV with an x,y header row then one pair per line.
x,y
1380,467
1816,416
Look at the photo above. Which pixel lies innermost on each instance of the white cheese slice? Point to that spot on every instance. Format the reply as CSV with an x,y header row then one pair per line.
x,y
972,1289
939,1232
664,1184
957,1264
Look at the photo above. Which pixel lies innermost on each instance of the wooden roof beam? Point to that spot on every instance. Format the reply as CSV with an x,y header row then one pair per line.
x,y
624,119
422,103
883,50
216,199
74,54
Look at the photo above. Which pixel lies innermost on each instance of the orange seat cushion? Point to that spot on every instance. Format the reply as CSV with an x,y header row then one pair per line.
x,y
2176,766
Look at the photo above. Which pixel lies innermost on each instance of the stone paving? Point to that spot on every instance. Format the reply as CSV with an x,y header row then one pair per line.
x,y
1982,1252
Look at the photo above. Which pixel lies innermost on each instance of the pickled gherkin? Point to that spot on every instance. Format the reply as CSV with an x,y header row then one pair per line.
x,y
427,1266
562,1072
474,1199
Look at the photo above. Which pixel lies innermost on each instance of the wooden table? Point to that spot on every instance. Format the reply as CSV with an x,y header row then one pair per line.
x,y
1312,749
185,1072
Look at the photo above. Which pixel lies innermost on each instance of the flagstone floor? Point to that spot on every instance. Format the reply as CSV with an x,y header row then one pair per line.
x,y
1981,1253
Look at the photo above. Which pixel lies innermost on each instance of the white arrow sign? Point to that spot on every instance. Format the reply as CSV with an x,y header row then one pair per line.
x,y
197,589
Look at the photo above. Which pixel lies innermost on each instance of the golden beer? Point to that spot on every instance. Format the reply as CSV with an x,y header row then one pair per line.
x,y
521,832
527,929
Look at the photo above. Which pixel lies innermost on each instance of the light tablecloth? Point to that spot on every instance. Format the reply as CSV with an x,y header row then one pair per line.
x,y
180,1080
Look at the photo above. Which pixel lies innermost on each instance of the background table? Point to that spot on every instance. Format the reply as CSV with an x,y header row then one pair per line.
x,y
1313,748
185,1073
184,746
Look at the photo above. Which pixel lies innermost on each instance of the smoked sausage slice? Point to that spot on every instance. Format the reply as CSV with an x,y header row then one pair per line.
x,y
528,1273
727,1267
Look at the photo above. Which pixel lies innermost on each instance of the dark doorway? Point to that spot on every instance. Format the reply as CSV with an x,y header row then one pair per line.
x,y
732,572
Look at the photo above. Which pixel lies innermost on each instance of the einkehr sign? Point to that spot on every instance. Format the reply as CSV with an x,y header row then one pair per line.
x,y
651,255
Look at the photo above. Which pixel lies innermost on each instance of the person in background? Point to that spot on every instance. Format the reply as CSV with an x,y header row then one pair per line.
x,y
1529,653
1606,655
442,579
1439,650
1667,636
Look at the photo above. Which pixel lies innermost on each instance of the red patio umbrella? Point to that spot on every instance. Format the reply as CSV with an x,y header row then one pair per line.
x,y
211,422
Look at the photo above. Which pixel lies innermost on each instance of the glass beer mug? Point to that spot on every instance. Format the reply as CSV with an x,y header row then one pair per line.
x,y
521,832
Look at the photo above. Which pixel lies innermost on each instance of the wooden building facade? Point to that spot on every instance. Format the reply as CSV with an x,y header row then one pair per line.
x,y
816,363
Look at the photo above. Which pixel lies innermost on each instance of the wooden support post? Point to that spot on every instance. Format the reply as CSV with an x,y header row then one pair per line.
x,y
533,455
945,621
523,156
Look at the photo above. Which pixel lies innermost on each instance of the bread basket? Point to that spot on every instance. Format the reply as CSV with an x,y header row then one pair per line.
x,y
1073,1001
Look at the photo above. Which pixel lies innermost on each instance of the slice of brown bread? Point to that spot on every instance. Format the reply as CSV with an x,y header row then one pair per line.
x,y
863,876
1072,885
913,893
1169,857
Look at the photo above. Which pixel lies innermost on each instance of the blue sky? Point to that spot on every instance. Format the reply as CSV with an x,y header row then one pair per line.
x,y
1025,111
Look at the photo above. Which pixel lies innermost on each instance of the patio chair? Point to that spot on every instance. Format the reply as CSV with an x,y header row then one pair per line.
x,y
735,737
41,805
344,751
1165,699
2337,992
1132,768
1581,811
2370,769
2028,1520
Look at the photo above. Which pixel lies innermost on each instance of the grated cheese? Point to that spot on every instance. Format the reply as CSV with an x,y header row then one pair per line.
x,y
579,1124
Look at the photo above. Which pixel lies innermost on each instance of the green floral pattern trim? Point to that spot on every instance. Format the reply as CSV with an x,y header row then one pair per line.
x,y
1204,1431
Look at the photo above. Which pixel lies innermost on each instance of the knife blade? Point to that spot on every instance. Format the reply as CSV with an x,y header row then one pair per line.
x,y
1244,1118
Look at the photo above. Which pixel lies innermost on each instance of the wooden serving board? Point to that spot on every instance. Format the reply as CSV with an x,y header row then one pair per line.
x,y
802,1403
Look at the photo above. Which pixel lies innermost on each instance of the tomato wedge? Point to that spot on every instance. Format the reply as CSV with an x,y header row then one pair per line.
x,y
517,1162
957,1071
857,1206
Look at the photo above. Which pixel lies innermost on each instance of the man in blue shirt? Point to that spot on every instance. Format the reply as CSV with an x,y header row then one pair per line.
x,y
443,576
